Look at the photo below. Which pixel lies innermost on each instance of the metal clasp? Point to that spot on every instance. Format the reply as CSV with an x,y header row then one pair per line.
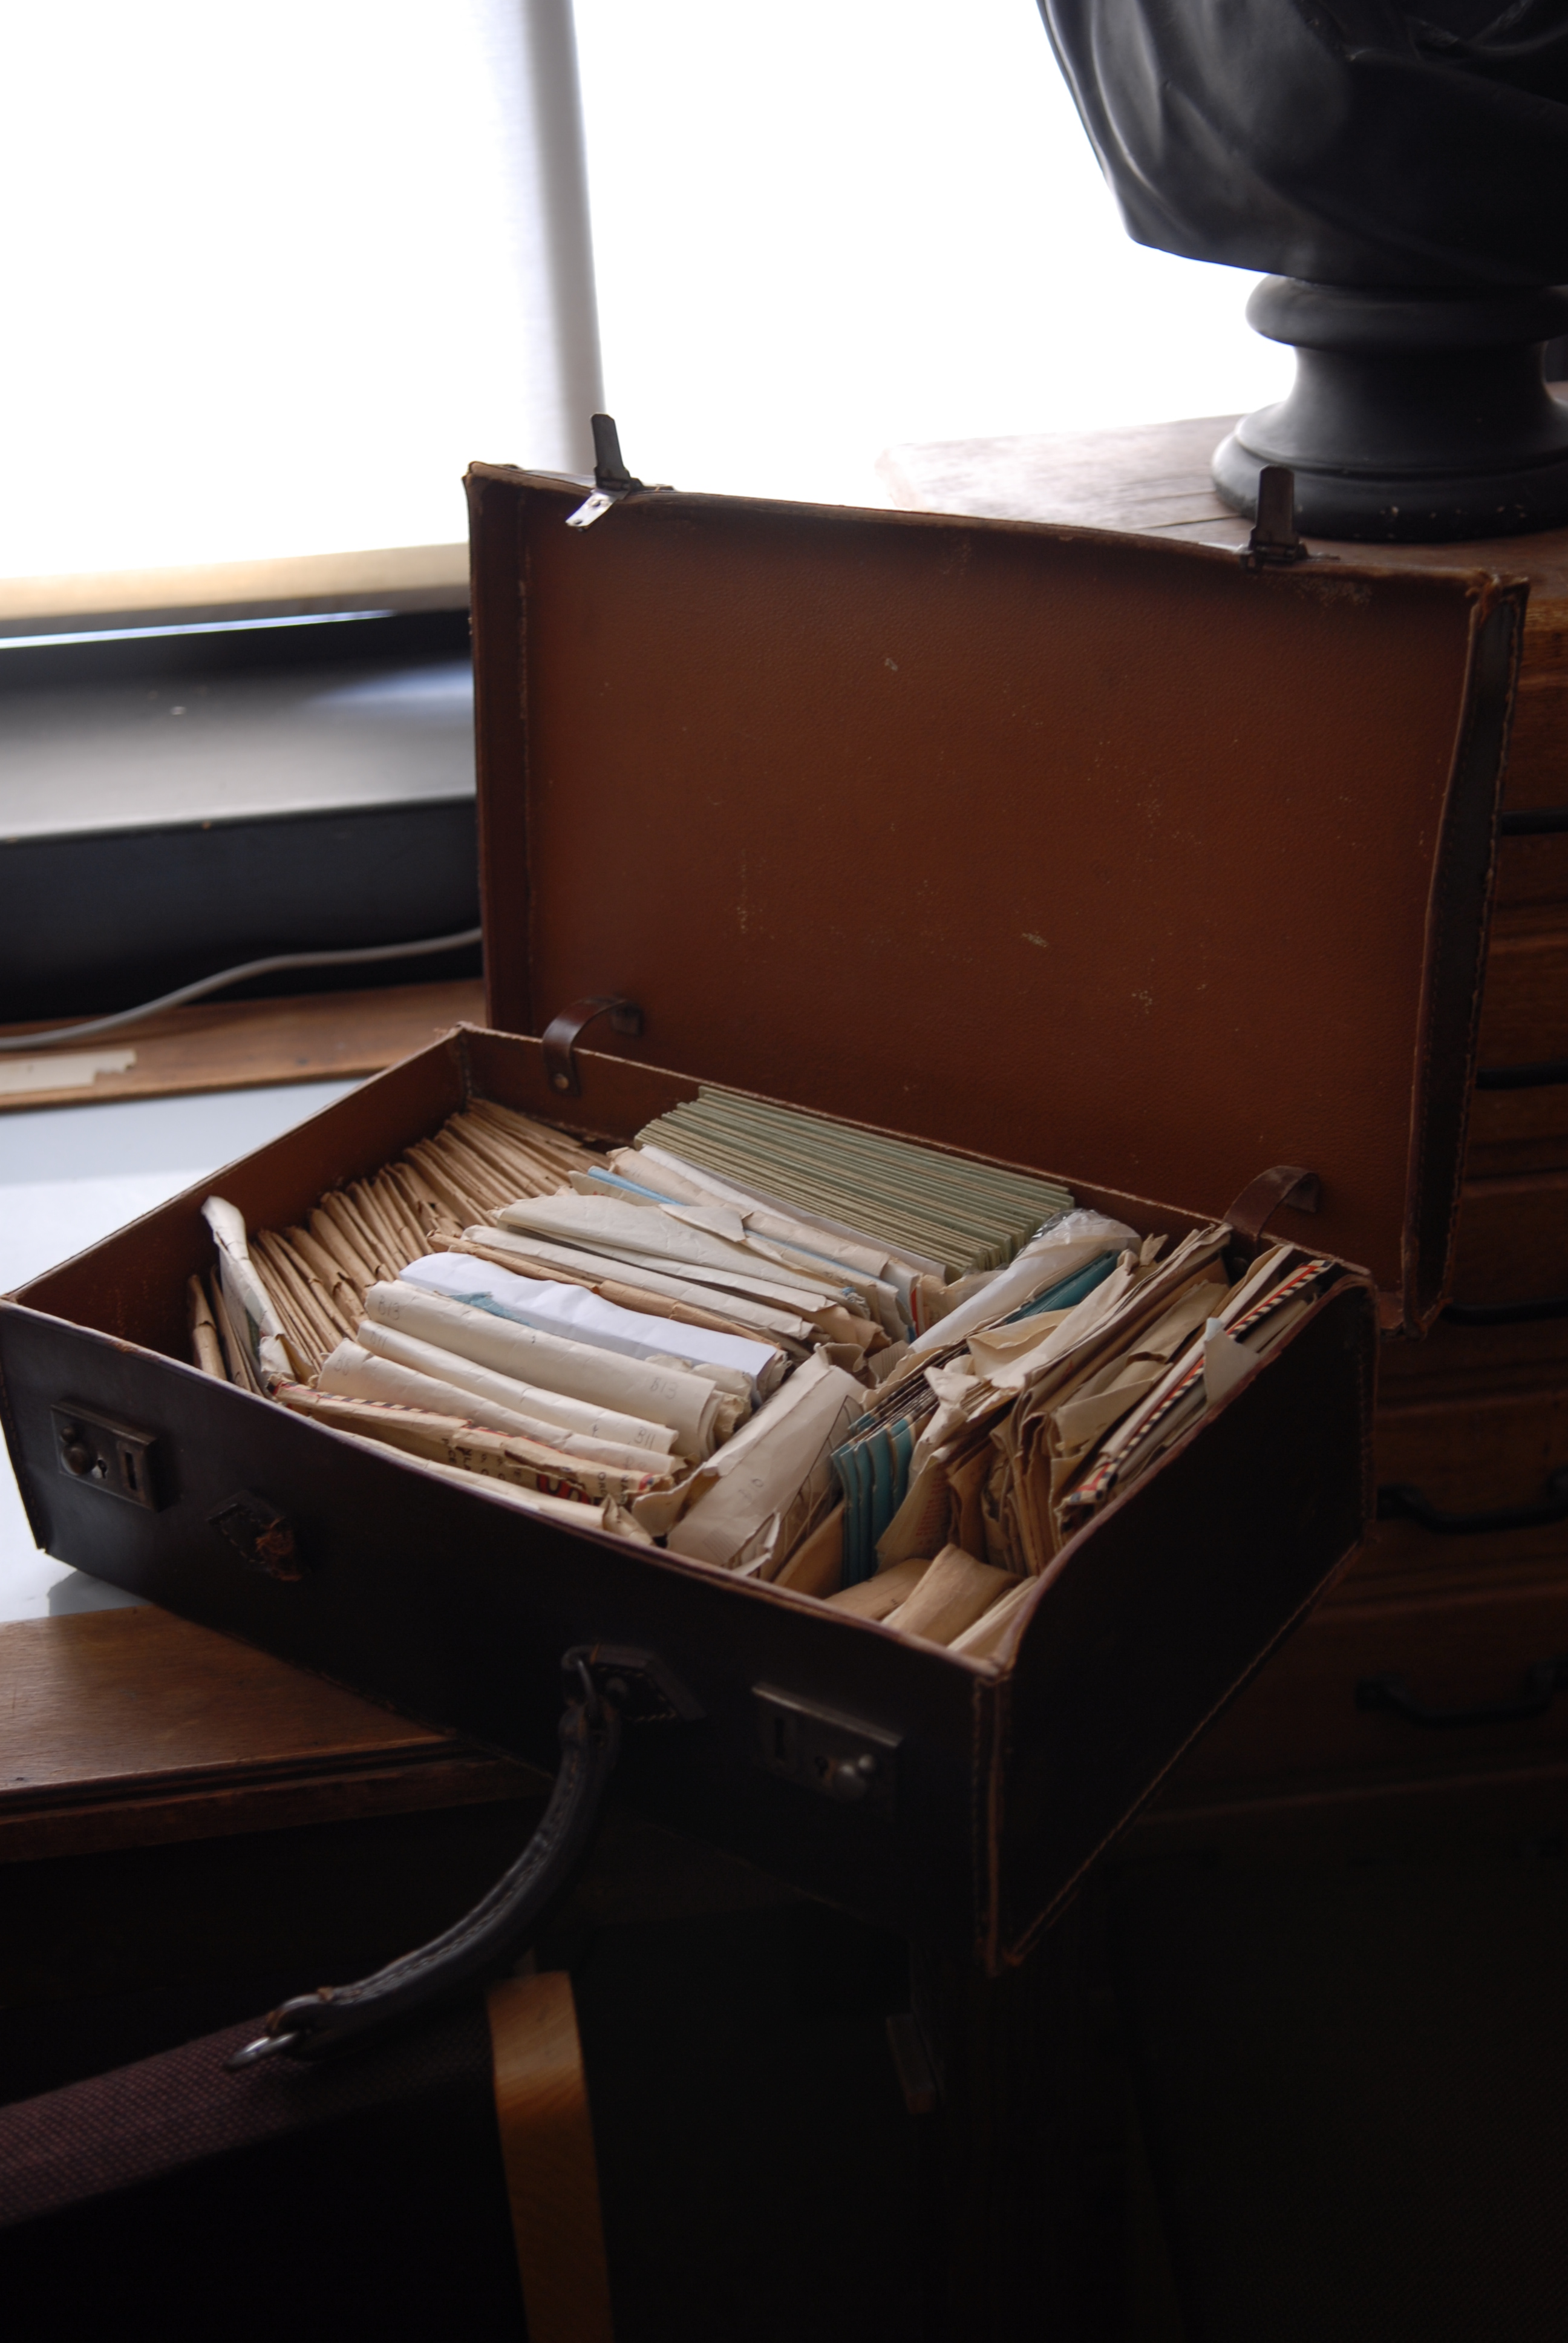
x,y
840,1758
1275,541
612,479
102,1454
259,1534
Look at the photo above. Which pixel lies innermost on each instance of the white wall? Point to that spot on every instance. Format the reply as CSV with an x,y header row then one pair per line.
x,y
826,225
272,276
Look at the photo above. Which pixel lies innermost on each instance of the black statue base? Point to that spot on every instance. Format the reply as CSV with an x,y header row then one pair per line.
x,y
1415,417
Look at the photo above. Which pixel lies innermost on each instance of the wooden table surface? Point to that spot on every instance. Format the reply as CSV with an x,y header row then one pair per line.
x,y
1153,479
131,1727
219,1045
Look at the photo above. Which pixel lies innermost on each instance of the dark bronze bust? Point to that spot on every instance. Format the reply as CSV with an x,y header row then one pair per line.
x,y
1405,174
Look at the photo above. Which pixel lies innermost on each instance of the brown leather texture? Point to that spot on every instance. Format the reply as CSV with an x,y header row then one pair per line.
x,y
1096,854
456,1610
1092,855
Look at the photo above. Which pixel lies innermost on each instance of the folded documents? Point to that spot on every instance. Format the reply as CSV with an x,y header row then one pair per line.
x,y
891,1377
943,1212
1081,1241
571,1512
752,1504
578,1311
951,1595
775,1320
695,1410
656,1234
353,1373
444,1439
251,1315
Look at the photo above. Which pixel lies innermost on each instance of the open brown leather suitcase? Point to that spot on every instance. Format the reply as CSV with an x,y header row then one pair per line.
x,y
1116,859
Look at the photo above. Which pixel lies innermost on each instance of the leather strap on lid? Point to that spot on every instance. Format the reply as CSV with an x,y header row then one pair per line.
x,y
561,1034
1284,1183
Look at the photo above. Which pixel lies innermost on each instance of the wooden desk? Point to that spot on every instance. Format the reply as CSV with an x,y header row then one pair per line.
x,y
133,1728
231,1045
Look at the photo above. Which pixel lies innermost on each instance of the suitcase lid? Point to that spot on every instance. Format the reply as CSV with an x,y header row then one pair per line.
x,y
1102,854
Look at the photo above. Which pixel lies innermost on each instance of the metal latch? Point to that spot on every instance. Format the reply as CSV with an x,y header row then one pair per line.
x,y
841,1758
103,1453
1275,541
612,479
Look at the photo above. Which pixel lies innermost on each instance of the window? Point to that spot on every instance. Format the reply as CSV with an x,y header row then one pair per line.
x,y
272,276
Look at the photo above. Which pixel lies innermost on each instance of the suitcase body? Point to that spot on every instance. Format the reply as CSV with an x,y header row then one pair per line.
x,y
1122,863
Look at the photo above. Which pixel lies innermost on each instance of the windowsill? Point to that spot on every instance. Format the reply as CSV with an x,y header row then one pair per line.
x,y
396,578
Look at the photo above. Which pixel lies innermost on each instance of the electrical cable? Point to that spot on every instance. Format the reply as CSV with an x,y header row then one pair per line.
x,y
359,956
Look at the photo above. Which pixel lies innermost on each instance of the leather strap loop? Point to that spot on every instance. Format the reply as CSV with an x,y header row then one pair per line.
x,y
562,1033
548,2155
1284,1183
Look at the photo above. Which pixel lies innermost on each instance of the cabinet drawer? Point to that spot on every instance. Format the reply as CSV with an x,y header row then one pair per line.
x,y
1515,1133
1525,1016
1456,1360
1487,1455
1538,745
1475,1657
1533,872
1525,1023
1512,1239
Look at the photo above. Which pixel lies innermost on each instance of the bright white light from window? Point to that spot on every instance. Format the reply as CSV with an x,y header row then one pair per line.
x,y
271,277
824,228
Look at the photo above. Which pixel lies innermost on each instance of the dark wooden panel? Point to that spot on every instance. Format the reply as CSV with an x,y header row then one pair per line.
x,y
1299,1719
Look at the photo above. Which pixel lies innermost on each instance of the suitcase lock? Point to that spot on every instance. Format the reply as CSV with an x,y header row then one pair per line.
x,y
840,1758
102,1454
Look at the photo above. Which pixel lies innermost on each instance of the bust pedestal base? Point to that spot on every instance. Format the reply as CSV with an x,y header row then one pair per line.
x,y
1415,418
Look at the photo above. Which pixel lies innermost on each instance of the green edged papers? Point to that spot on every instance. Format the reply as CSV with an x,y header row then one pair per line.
x,y
943,1214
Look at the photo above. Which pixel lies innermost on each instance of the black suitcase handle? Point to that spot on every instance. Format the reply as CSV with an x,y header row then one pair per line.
x,y
605,1686
1545,1681
1398,1502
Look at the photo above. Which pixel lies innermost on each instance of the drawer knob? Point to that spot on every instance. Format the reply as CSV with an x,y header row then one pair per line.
x,y
1545,1681
1398,1502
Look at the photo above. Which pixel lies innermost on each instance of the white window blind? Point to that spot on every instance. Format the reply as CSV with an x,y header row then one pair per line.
x,y
272,276
826,227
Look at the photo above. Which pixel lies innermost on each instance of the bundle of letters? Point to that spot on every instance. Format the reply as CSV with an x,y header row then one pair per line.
x,y
886,1377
